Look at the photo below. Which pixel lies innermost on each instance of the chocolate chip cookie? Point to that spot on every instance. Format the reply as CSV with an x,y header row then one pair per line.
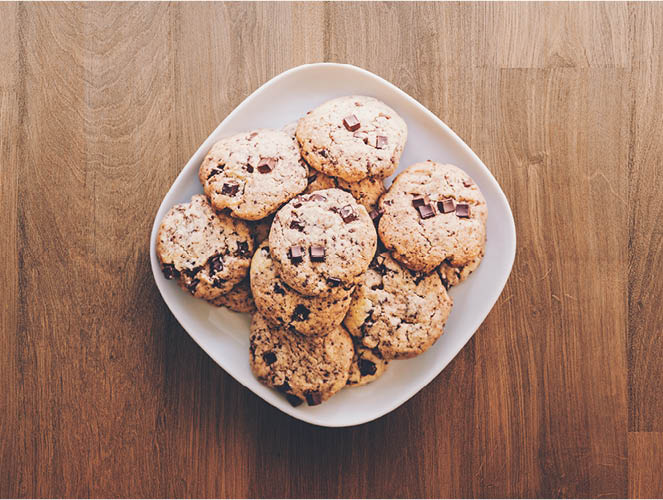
x,y
452,276
238,299
367,365
352,138
302,367
253,173
322,241
208,253
399,312
367,191
433,213
282,306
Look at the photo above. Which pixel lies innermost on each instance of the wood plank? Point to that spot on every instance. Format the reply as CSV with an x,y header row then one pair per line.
x,y
645,463
645,229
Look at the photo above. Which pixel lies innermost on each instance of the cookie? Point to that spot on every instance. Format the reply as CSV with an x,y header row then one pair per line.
x,y
238,299
367,191
322,241
399,312
303,368
260,229
352,138
433,213
208,253
451,276
282,306
367,365
253,173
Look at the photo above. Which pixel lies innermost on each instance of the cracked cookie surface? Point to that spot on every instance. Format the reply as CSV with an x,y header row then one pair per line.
x,y
433,213
367,365
322,241
282,306
238,299
252,174
352,137
399,312
208,253
304,368
367,191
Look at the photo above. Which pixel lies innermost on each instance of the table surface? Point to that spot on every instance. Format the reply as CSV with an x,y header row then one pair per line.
x,y
558,393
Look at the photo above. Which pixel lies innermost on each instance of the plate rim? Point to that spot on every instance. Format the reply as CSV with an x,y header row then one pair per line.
x,y
511,237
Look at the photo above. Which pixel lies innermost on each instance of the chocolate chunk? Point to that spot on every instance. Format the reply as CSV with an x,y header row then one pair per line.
x,y
192,286
348,214
297,224
323,153
361,135
216,263
169,271
296,254
313,398
249,168
266,165
300,313
446,206
243,249
230,188
269,357
216,170
293,400
420,201
317,253
366,367
375,214
284,387
351,122
278,289
380,142
426,211
463,210
333,282
317,197
297,202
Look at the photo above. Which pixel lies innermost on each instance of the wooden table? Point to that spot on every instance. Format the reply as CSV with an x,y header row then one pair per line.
x,y
103,394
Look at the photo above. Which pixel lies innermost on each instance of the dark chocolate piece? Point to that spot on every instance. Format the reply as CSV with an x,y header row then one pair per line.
x,y
317,253
380,142
420,201
300,313
313,398
351,122
266,165
169,271
296,254
426,211
293,400
446,206
361,135
297,224
278,289
216,263
463,210
366,367
269,357
348,214
230,188
333,282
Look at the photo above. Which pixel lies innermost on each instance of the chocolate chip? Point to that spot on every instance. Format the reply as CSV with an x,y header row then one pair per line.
x,y
243,249
293,400
317,253
284,387
269,357
420,201
467,183
192,286
297,202
215,171
323,153
348,214
463,210
446,206
317,197
297,224
169,271
278,289
426,211
249,168
313,398
380,142
266,165
375,214
333,282
300,313
296,254
218,282
366,367
379,286
230,188
361,135
351,122
216,263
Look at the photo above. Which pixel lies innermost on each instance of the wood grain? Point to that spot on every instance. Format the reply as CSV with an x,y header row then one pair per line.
x,y
104,394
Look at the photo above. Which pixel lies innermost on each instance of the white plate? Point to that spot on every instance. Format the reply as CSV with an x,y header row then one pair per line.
x,y
224,334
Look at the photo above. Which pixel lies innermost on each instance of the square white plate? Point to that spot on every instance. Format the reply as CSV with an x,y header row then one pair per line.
x,y
224,334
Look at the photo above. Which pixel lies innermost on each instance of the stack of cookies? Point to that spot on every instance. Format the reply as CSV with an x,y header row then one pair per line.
x,y
343,275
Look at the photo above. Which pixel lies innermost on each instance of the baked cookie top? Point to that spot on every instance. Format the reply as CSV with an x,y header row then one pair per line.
x,y
352,137
367,365
253,173
281,306
321,241
432,213
367,191
302,367
399,312
238,299
208,253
